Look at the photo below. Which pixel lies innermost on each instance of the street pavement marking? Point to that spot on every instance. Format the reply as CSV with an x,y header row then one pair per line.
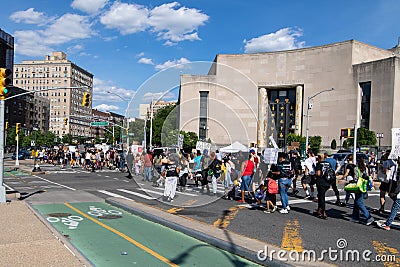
x,y
112,194
70,188
115,231
225,220
177,192
190,202
174,210
384,251
291,239
151,191
136,194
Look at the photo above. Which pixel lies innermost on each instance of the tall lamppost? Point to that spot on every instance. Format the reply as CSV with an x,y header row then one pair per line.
x,y
127,119
309,106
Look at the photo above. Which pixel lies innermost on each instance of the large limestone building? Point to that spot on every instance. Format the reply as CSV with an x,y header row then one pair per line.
x,y
248,97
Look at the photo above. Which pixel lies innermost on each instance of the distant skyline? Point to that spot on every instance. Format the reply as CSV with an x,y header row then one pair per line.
x,y
129,46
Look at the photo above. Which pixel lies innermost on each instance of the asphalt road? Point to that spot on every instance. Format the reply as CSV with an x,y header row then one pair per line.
x,y
298,230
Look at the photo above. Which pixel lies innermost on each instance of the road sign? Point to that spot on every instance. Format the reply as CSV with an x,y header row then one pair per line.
x,y
99,123
180,140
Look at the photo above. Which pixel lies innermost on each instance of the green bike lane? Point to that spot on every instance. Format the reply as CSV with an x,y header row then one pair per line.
x,y
107,236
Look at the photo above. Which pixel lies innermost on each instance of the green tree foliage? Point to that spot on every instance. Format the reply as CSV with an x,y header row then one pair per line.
x,y
366,137
136,128
67,139
164,122
314,142
189,141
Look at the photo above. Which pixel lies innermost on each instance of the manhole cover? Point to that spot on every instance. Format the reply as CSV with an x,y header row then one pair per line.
x,y
59,215
109,217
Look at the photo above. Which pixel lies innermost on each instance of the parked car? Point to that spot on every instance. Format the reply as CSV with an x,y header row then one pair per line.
x,y
342,159
22,154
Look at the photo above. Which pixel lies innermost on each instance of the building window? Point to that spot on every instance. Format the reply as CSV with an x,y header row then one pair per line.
x,y
203,115
365,104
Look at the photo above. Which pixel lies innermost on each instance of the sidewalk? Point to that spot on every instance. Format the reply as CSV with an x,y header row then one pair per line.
x,y
27,240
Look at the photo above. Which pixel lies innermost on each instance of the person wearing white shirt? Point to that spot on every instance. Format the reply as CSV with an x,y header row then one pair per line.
x,y
309,175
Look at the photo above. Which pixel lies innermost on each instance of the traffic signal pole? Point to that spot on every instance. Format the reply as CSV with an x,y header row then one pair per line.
x,y
2,188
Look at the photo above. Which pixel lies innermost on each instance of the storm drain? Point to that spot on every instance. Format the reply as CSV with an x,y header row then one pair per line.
x,y
109,217
59,215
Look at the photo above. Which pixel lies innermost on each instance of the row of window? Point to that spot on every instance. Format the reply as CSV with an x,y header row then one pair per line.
x,y
41,75
40,69
40,82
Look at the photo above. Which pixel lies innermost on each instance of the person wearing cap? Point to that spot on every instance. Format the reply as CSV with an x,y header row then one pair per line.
x,y
335,165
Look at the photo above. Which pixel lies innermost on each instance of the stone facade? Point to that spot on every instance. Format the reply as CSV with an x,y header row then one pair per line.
x,y
241,89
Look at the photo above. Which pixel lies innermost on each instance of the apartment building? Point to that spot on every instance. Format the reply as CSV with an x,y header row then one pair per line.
x,y
63,83
156,105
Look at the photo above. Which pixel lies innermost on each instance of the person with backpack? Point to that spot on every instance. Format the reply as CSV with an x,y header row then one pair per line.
x,y
349,176
335,167
284,173
323,177
359,173
272,189
214,171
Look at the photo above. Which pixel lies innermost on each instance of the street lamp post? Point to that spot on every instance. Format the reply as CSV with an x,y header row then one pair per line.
x,y
309,106
127,119
379,136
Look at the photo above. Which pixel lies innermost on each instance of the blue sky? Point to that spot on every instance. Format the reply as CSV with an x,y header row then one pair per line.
x,y
127,45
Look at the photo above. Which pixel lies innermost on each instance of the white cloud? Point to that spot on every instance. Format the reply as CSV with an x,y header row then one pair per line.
x,y
175,23
145,60
141,54
174,63
105,107
126,18
26,40
67,28
89,6
170,22
117,95
283,39
74,49
29,16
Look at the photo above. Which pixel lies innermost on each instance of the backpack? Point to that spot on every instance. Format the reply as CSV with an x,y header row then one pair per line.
x,y
328,173
272,187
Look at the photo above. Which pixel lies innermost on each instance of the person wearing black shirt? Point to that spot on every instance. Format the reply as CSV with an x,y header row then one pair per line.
x,y
172,169
322,185
215,171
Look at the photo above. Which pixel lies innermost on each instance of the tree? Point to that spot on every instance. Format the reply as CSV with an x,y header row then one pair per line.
x,y
67,139
189,141
164,122
366,137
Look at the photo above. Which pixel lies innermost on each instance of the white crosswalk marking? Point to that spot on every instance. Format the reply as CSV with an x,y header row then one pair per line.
x,y
136,194
112,194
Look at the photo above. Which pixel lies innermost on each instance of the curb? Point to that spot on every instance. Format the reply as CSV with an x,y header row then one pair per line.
x,y
62,239
214,241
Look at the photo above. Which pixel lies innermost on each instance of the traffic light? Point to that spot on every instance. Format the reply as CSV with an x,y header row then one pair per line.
x,y
6,125
65,121
86,99
347,132
4,82
17,126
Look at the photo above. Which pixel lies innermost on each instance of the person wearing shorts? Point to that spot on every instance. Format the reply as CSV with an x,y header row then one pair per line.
x,y
247,172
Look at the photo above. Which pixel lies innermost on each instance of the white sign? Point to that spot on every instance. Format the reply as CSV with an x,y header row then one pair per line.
x,y
32,142
395,152
180,140
271,155
271,138
203,145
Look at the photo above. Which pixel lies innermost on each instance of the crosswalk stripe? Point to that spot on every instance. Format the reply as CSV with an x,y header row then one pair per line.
x,y
136,194
177,192
151,191
112,194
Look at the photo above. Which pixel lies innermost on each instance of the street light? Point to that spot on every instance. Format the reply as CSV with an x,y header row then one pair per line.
x,y
309,106
127,119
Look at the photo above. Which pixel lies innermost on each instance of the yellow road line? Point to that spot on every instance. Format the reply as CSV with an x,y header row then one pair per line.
x,y
291,239
225,220
189,202
148,250
174,210
384,250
